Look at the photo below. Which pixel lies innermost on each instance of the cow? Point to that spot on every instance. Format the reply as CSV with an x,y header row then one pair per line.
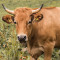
x,y
38,29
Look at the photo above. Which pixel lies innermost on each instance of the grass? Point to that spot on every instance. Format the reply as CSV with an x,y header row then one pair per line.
x,y
9,46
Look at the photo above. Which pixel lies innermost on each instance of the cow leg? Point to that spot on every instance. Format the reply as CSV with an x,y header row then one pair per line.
x,y
48,51
32,58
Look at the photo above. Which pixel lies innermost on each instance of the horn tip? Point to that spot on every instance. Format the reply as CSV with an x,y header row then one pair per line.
x,y
3,6
41,6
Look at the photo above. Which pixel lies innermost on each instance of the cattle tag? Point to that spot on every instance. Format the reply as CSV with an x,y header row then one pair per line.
x,y
37,19
40,17
10,21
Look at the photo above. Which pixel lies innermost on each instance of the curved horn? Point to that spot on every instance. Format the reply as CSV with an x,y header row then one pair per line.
x,y
37,10
7,10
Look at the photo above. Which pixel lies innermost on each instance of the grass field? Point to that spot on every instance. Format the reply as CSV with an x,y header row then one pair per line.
x,y
9,46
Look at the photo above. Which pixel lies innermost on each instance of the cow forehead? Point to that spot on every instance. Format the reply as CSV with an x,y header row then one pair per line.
x,y
22,13
23,10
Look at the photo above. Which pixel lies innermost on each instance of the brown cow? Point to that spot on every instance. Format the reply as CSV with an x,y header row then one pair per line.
x,y
39,29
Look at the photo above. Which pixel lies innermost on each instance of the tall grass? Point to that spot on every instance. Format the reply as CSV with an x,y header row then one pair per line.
x,y
9,46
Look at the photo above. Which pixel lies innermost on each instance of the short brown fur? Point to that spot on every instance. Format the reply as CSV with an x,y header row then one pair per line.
x,y
43,35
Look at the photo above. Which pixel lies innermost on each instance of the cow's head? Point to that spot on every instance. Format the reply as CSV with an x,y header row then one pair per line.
x,y
23,18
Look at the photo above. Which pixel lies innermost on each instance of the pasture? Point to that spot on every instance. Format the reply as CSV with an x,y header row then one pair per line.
x,y
9,46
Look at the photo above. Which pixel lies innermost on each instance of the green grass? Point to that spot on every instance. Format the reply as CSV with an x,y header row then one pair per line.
x,y
9,46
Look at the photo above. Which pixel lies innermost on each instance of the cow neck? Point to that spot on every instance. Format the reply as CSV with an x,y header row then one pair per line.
x,y
32,39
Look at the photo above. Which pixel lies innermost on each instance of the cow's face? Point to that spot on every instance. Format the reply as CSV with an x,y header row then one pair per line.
x,y
23,20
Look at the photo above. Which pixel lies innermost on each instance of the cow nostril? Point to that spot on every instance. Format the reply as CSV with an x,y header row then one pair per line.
x,y
18,38
24,37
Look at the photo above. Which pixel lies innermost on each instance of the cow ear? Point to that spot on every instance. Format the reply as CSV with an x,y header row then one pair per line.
x,y
12,17
32,17
8,19
39,17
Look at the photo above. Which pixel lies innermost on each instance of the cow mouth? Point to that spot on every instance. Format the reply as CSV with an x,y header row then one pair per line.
x,y
23,43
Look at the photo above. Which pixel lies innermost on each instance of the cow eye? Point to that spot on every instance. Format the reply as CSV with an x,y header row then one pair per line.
x,y
29,22
14,22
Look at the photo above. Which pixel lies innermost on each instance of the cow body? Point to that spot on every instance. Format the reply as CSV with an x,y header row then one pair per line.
x,y
44,35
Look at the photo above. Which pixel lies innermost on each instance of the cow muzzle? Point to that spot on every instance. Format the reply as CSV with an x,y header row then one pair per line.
x,y
22,38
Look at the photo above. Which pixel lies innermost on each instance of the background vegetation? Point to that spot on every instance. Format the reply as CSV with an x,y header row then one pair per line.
x,y
9,46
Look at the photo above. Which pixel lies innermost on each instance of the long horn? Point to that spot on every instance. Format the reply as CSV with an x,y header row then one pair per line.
x,y
37,10
7,10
